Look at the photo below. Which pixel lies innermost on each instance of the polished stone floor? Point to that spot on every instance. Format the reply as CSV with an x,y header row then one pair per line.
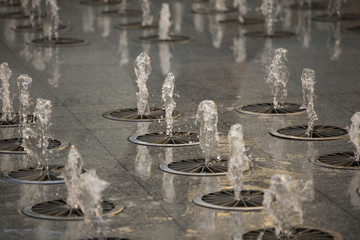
x,y
218,64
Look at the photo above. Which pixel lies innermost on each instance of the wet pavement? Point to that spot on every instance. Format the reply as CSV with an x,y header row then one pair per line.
x,y
218,64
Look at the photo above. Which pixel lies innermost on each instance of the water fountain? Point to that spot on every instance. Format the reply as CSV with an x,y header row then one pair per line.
x,y
215,7
270,9
344,160
51,27
164,35
304,5
335,13
7,116
147,19
303,29
277,77
216,30
37,142
143,113
84,200
243,9
122,11
170,138
211,163
236,198
283,201
310,132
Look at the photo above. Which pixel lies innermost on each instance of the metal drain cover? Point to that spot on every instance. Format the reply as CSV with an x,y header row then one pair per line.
x,y
37,28
100,2
342,160
16,15
312,6
172,39
179,139
135,25
131,115
277,34
247,21
13,145
299,232
35,176
60,42
196,167
225,200
124,13
16,122
211,11
320,133
268,109
59,210
343,17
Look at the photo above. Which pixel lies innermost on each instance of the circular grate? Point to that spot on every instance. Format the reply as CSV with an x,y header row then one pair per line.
x,y
123,13
247,21
172,39
355,29
35,176
13,15
196,167
210,11
342,160
268,109
320,133
16,121
179,139
312,6
135,25
343,17
17,15
131,115
59,210
60,42
100,2
225,200
277,34
10,4
13,145
299,233
37,28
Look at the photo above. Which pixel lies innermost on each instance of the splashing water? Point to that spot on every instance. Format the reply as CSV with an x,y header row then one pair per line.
x,y
91,195
270,10
354,134
52,20
238,161
308,82
334,8
147,18
207,115
169,103
84,189
42,112
123,49
334,41
284,198
178,16
24,83
164,23
122,6
142,67
242,8
278,77
7,108
72,177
